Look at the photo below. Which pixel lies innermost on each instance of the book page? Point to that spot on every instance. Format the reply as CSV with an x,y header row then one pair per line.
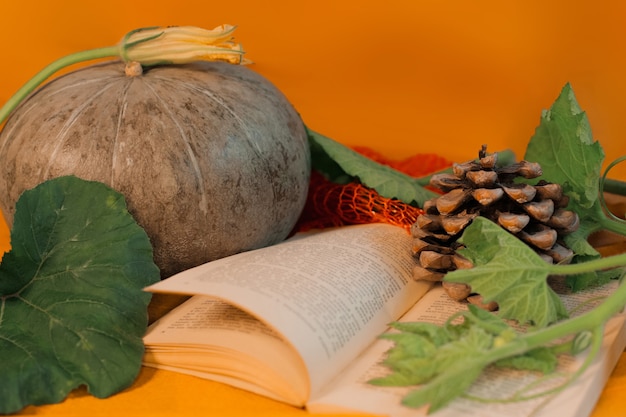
x,y
206,335
351,390
329,293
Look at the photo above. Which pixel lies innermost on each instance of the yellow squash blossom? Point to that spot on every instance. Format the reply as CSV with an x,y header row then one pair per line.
x,y
181,44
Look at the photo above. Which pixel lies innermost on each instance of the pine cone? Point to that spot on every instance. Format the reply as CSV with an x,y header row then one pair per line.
x,y
536,214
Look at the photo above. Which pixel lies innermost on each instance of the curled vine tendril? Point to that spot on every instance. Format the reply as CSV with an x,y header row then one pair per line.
x,y
603,180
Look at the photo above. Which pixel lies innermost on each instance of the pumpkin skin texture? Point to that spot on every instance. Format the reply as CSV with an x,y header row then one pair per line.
x,y
211,157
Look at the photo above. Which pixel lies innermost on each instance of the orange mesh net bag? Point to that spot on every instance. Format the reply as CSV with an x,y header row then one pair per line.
x,y
330,204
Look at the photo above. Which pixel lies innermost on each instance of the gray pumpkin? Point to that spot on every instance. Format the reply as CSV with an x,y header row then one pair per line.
x,y
211,157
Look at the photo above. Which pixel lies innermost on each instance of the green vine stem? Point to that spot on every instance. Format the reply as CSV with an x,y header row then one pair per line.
x,y
590,321
608,262
613,224
614,186
147,46
50,70
520,395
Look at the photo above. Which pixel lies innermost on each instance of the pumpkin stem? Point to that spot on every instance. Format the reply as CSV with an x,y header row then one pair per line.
x,y
133,69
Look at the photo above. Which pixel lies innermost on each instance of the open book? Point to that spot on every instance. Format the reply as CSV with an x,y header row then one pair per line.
x,y
300,322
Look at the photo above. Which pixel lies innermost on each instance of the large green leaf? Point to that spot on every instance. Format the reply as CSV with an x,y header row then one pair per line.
x,y
510,273
564,146
72,309
341,164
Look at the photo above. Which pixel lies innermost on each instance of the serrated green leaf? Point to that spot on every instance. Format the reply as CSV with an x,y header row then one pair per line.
x,y
72,308
446,372
340,163
395,379
565,149
414,367
408,345
584,252
488,321
436,334
583,281
542,359
508,272
446,387
454,368
577,241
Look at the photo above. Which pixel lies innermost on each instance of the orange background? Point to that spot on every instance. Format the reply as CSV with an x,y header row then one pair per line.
x,y
402,77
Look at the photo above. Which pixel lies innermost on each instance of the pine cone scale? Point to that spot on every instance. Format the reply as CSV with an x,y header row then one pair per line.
x,y
536,214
